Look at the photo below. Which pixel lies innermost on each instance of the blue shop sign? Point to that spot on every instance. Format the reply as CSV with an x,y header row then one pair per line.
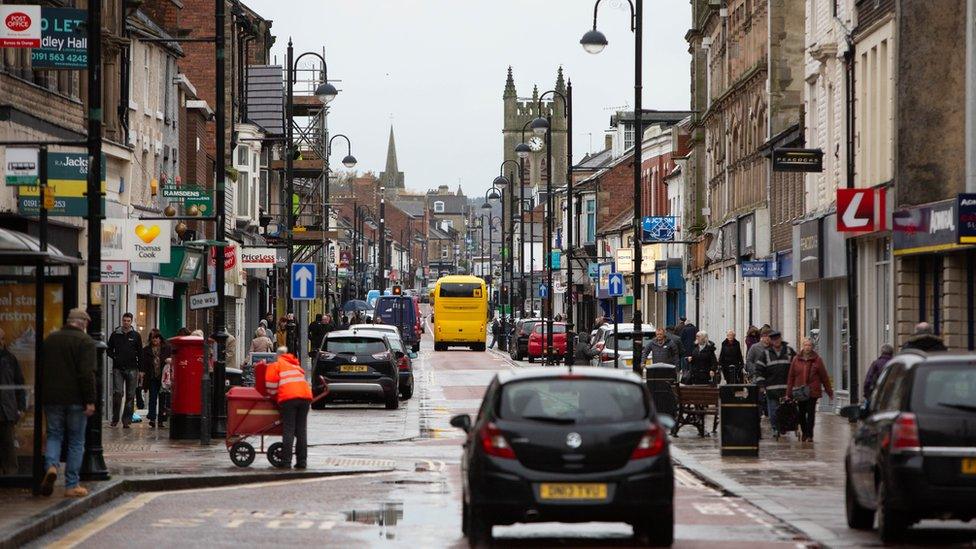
x,y
755,269
593,270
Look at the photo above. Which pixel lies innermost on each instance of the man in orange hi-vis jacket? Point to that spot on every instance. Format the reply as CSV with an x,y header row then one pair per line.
x,y
285,381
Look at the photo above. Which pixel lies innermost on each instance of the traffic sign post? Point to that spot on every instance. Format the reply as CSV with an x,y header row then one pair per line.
x,y
543,291
303,276
616,284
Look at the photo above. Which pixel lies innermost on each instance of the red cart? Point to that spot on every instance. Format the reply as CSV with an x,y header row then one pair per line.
x,y
252,413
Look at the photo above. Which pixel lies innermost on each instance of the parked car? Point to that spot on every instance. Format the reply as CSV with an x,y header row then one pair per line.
x,y
539,340
620,343
519,348
913,453
357,366
579,445
404,313
403,355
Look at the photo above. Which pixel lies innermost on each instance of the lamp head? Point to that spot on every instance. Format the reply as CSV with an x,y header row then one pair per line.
x,y
539,126
501,182
326,93
522,150
486,205
594,41
349,161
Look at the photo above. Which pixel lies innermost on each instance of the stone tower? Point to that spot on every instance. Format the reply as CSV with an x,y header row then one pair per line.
x,y
392,177
518,112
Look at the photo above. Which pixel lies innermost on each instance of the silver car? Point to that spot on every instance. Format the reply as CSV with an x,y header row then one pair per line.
x,y
619,344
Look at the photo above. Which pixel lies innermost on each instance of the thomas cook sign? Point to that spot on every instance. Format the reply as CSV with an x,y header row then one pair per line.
x,y
138,241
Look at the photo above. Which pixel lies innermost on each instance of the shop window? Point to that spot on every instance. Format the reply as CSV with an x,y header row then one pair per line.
x,y
882,270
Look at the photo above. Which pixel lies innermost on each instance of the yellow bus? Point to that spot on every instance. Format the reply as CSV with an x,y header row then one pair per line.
x,y
460,305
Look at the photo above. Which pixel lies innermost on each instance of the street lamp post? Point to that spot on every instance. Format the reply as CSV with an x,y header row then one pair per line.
x,y
325,93
507,258
349,161
381,242
594,42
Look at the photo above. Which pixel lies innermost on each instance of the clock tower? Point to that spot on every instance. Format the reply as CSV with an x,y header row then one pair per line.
x,y
518,112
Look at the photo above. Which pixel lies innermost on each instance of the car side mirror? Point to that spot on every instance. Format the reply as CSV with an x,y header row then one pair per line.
x,y
398,354
462,422
666,421
852,412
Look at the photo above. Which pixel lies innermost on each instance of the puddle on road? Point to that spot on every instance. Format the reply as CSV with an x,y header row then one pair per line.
x,y
385,518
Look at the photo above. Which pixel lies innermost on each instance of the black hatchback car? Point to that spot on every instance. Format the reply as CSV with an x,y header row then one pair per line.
x,y
913,453
519,348
567,445
357,366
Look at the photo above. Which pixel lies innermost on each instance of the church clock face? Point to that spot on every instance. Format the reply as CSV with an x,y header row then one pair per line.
x,y
536,144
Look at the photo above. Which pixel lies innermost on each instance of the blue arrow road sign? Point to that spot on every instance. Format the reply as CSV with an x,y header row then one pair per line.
x,y
303,277
543,291
616,284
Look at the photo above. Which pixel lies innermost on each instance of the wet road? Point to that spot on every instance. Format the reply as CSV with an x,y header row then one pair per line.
x,y
416,505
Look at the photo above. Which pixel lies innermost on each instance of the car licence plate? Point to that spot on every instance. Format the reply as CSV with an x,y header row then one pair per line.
x,y
969,466
353,368
566,491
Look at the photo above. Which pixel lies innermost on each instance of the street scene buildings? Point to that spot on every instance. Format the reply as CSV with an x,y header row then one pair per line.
x,y
182,184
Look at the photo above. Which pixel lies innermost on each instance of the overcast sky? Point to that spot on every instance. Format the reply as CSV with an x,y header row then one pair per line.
x,y
436,70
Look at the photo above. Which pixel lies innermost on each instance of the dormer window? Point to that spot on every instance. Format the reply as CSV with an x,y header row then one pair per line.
x,y
438,207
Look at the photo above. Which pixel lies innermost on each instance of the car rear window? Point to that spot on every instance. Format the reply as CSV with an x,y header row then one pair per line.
x,y
626,338
354,345
576,401
460,289
949,388
527,326
556,328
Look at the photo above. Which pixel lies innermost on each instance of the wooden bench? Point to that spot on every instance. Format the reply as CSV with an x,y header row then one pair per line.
x,y
694,403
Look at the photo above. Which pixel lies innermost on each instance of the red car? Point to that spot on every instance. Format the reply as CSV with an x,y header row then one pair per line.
x,y
537,340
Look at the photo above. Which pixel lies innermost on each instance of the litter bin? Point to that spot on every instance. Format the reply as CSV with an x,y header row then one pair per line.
x,y
660,382
739,419
187,373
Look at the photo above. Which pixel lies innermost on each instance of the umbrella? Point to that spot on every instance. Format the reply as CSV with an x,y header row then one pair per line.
x,y
355,305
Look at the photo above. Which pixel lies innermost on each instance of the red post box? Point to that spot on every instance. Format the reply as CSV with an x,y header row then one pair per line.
x,y
187,375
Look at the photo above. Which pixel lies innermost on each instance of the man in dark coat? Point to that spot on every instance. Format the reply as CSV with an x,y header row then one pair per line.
x,y
661,350
13,404
775,370
925,339
730,359
874,372
125,349
69,400
687,333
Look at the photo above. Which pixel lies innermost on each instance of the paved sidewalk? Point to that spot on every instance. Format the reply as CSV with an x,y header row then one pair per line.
x,y
142,458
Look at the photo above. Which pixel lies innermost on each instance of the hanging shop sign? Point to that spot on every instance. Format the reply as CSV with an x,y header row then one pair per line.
x,y
21,167
861,210
258,258
64,40
967,218
926,228
136,240
625,260
659,228
798,160
67,175
20,26
230,257
115,272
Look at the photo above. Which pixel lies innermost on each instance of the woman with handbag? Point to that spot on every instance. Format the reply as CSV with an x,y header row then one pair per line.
x,y
805,384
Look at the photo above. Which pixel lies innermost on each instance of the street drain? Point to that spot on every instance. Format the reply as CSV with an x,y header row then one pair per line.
x,y
406,481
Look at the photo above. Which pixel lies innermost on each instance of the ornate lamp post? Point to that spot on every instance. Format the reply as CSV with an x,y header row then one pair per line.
x,y
594,42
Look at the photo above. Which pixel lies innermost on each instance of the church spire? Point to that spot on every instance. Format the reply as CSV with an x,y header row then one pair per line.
x,y
509,86
392,177
560,82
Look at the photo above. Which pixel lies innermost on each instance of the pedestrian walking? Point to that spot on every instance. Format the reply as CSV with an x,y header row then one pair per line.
x,y
281,333
495,332
125,349
756,356
661,349
344,322
730,359
69,400
285,380
316,333
702,364
775,371
687,331
925,339
261,342
13,404
154,356
752,337
874,371
806,383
